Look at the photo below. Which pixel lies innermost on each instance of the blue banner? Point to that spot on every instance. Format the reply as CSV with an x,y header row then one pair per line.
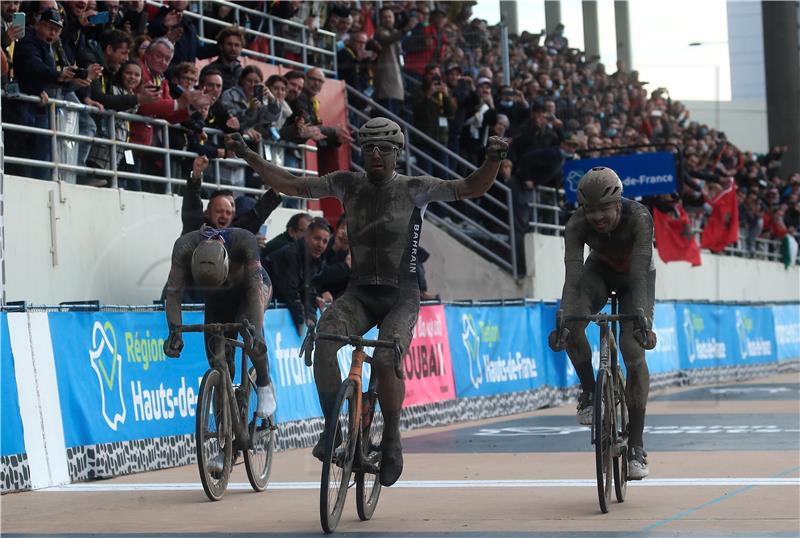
x,y
665,357
114,381
787,330
492,350
642,174
561,373
755,333
704,340
12,440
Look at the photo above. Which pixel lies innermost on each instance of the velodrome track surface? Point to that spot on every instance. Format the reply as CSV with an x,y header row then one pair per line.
x,y
724,460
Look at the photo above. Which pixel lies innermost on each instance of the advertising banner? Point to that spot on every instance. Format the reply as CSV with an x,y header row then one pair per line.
x,y
427,366
702,338
755,333
666,355
642,174
114,381
560,370
492,350
787,330
11,439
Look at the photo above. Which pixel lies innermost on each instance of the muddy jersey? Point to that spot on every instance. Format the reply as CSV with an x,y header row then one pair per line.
x,y
384,221
627,250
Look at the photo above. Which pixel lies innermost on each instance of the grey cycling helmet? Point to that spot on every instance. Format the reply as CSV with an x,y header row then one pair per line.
x,y
598,186
381,130
210,264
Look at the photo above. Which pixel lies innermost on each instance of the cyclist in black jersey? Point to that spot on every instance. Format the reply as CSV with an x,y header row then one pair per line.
x,y
384,211
619,233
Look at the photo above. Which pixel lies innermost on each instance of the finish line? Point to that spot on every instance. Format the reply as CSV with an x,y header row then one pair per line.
x,y
455,484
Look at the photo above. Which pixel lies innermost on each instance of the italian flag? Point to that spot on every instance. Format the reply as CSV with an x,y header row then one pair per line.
x,y
789,250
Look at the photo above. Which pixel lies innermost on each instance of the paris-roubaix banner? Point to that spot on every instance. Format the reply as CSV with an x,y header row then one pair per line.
x,y
11,439
496,350
427,365
642,174
787,330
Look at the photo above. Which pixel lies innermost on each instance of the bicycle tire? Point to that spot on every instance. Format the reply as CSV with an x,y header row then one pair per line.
x,y
603,442
213,434
338,463
621,424
368,485
261,446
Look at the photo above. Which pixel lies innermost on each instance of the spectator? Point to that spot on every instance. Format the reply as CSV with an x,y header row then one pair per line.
x,y
277,85
295,229
462,89
427,43
134,19
154,65
535,149
433,109
389,89
296,269
169,22
218,117
38,73
184,77
481,115
252,104
11,33
139,47
336,275
308,102
230,42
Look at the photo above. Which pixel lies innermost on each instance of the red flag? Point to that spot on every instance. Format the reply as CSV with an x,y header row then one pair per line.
x,y
674,238
722,227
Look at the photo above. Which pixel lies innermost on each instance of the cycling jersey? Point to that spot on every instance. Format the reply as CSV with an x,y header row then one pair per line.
x,y
384,221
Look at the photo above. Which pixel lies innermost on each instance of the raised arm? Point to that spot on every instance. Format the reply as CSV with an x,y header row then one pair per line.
x,y
273,176
478,182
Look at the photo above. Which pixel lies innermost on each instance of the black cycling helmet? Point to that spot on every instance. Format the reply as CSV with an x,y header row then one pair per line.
x,y
210,264
598,186
381,130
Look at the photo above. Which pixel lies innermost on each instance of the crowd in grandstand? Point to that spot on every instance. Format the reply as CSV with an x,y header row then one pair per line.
x,y
429,62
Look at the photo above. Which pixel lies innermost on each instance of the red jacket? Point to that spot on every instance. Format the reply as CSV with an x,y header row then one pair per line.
x,y
142,133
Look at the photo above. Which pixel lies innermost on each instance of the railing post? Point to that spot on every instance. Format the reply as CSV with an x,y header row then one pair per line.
x,y
512,235
112,135
272,37
202,20
53,142
304,46
167,160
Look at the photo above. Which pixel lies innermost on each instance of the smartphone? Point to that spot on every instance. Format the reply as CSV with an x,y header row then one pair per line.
x,y
81,72
258,91
19,20
99,18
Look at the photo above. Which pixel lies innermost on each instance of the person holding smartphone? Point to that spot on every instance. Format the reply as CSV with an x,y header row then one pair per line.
x,y
252,104
13,23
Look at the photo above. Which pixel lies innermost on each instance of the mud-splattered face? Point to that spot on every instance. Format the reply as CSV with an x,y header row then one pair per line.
x,y
604,218
380,159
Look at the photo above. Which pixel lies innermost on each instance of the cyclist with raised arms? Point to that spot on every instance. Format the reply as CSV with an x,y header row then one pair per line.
x,y
384,215
225,266
619,233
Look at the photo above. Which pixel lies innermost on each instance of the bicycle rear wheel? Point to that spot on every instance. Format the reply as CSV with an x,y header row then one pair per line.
x,y
258,456
621,423
339,452
368,485
603,425
213,438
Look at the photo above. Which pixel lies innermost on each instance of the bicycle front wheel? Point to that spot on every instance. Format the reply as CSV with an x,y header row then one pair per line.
x,y
258,456
621,457
213,437
368,485
603,425
340,449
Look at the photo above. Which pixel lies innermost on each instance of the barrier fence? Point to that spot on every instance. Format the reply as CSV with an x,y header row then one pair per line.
x,y
91,394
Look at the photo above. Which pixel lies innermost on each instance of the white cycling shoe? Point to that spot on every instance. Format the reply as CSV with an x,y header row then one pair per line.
x,y
637,463
585,408
266,401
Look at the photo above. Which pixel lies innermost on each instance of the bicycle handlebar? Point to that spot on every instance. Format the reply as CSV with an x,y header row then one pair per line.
x,y
355,341
247,329
639,318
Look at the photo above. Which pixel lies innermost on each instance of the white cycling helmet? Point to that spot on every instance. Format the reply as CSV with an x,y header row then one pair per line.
x,y
381,130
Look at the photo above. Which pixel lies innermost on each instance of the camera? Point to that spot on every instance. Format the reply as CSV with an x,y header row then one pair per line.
x,y
436,80
81,72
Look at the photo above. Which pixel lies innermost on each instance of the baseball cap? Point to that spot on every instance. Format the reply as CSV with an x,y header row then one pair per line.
x,y
452,67
484,80
52,16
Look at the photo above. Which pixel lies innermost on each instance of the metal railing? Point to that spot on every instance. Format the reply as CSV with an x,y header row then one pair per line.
x,y
308,43
471,223
115,174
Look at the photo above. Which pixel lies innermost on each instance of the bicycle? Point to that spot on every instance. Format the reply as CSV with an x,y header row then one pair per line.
x,y
610,412
222,417
353,433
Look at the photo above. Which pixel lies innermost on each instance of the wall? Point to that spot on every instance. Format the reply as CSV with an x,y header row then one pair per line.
x,y
114,245
718,278
743,122
71,242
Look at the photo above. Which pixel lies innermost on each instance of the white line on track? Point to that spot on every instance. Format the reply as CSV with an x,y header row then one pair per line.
x,y
657,482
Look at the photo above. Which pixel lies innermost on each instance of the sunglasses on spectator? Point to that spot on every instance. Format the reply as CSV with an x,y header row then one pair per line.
x,y
382,149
